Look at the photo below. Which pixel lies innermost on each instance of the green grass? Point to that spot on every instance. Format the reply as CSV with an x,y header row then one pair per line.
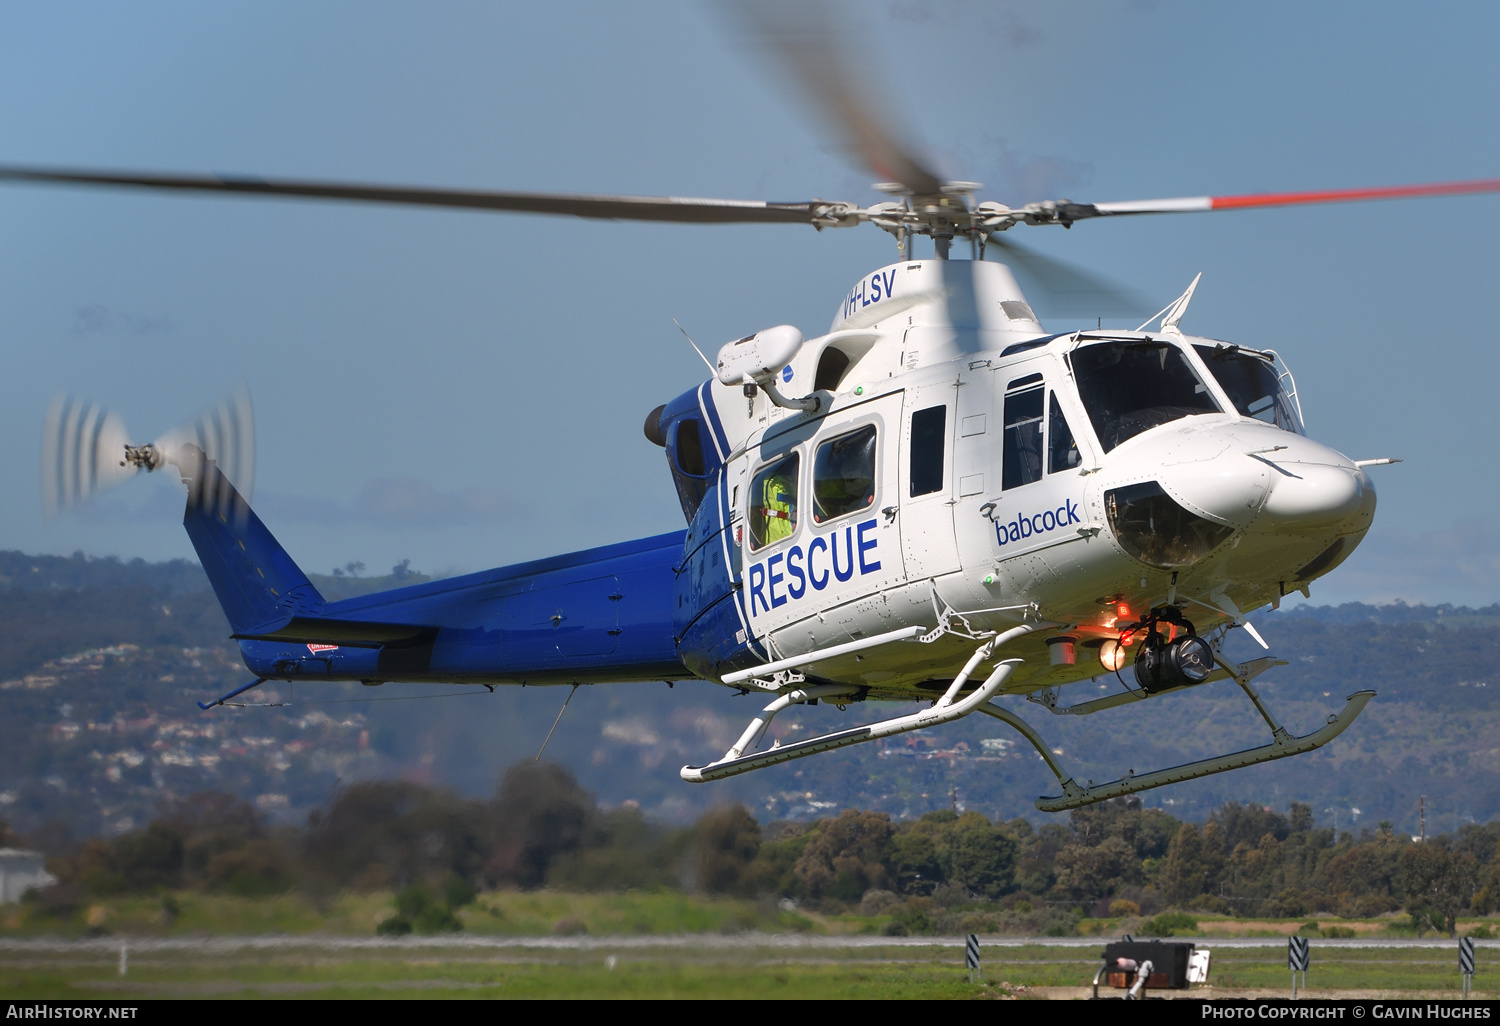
x,y
827,970
518,973
805,956
1385,969
640,980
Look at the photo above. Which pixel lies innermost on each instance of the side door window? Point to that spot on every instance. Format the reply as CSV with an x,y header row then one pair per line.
x,y
929,446
773,501
844,475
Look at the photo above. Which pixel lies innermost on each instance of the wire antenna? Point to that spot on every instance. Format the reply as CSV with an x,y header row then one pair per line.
x,y
706,361
562,710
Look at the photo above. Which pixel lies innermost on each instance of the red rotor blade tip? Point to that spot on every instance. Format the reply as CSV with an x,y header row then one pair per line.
x,y
1285,199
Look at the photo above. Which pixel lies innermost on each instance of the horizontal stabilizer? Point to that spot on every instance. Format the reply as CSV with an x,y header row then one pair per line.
x,y
318,630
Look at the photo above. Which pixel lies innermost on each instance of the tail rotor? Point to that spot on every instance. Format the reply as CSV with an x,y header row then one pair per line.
x,y
86,448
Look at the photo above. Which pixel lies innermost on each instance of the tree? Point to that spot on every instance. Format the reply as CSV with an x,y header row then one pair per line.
x,y
379,834
914,861
726,841
1093,871
1248,824
977,855
540,814
1194,864
1438,884
1487,898
225,845
1363,879
1036,869
845,856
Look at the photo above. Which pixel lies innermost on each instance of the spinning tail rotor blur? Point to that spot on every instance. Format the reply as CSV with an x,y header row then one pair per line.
x,y
86,449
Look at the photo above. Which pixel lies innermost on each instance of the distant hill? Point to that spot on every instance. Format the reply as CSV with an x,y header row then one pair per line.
x,y
102,661
1399,613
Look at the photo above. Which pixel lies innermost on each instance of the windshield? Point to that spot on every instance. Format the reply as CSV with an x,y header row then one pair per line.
x,y
1251,382
1130,387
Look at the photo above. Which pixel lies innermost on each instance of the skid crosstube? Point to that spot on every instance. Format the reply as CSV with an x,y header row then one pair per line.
x,y
946,709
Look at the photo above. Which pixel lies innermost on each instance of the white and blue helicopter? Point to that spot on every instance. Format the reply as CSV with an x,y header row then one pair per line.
x,y
937,499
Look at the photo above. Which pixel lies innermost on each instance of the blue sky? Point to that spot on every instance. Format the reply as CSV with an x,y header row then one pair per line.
x,y
465,390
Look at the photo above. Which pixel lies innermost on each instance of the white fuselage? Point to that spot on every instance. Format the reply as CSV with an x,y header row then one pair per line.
x,y
1008,475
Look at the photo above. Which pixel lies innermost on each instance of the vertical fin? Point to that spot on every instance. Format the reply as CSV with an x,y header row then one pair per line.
x,y
251,574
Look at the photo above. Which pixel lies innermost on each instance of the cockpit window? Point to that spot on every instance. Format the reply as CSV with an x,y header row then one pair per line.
x,y
1130,387
1252,385
844,475
773,502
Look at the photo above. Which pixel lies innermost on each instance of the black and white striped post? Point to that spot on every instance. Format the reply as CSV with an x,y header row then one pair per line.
x,y
1466,962
971,956
1297,959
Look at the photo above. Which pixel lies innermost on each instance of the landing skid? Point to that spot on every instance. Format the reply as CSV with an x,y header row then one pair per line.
x,y
1282,744
950,707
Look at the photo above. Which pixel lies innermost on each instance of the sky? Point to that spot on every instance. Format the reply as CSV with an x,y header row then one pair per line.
x,y
466,390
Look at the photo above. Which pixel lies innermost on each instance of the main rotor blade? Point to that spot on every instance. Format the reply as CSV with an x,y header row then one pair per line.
x,y
1063,289
628,208
1196,204
818,53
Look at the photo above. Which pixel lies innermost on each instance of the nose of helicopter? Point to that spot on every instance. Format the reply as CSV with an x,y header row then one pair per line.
x,y
1316,495
1205,471
1238,474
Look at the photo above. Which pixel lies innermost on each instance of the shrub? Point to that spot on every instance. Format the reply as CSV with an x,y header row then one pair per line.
x,y
877,901
417,911
1169,924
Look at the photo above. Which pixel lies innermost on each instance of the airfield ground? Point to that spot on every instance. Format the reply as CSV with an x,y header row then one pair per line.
x,y
702,966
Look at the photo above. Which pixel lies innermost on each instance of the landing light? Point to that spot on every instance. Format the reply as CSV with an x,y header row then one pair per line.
x,y
1112,655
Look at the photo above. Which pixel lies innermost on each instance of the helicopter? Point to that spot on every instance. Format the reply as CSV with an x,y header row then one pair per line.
x,y
937,499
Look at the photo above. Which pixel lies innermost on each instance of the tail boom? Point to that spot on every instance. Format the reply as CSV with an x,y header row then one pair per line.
x,y
602,614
